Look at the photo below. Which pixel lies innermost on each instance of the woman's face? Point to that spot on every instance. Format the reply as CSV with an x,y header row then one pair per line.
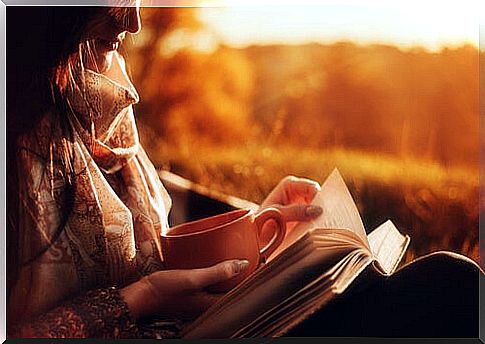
x,y
106,31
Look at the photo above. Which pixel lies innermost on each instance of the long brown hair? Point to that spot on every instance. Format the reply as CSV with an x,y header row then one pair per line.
x,y
42,46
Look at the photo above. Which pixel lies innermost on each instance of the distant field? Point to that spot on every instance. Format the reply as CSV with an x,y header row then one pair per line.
x,y
437,207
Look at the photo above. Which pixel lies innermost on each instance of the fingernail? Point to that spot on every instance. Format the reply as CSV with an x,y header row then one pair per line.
x,y
240,266
313,210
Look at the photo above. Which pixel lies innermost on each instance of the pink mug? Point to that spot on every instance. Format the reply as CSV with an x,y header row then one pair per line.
x,y
231,235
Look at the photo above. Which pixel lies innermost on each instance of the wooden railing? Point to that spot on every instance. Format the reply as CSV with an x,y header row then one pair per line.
x,y
191,201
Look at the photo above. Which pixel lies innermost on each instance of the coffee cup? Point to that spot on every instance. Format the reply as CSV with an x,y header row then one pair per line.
x,y
231,235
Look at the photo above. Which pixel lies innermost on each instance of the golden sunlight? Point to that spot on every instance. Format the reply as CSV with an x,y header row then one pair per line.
x,y
430,24
399,118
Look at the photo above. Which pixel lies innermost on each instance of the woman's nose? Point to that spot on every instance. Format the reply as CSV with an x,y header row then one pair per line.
x,y
129,20
133,22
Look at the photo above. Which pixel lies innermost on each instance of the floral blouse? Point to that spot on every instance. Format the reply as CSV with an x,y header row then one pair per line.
x,y
111,237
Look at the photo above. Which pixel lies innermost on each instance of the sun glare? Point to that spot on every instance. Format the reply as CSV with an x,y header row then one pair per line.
x,y
430,24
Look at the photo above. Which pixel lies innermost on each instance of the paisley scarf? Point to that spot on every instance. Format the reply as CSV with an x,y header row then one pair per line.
x,y
120,206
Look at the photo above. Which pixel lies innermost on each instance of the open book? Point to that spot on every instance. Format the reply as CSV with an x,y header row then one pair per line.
x,y
317,261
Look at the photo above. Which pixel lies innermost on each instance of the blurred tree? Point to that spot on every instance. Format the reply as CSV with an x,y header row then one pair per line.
x,y
376,98
188,92
414,103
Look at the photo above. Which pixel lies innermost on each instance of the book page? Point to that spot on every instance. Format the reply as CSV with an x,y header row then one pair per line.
x,y
388,246
317,261
310,298
339,211
273,284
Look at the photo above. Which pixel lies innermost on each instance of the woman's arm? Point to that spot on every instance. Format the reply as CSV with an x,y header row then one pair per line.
x,y
112,313
100,313
39,281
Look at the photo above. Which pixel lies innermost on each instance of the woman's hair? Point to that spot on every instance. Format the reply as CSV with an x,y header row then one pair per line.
x,y
43,44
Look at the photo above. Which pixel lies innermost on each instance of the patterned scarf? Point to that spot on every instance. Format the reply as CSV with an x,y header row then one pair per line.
x,y
120,206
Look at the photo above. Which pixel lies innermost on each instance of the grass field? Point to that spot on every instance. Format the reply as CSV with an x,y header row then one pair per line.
x,y
438,207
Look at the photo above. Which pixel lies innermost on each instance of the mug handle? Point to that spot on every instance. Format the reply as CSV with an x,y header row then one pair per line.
x,y
260,219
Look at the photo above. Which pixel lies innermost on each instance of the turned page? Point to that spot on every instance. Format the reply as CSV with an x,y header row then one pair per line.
x,y
339,211
388,246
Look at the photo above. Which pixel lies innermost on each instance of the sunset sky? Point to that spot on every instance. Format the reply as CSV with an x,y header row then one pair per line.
x,y
428,23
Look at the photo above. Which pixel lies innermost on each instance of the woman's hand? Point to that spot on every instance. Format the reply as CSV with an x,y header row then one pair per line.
x,y
178,293
292,196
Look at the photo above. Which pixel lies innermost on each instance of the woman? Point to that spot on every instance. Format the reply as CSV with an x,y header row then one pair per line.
x,y
85,205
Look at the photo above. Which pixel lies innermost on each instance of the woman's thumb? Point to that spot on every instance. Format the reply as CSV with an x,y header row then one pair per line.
x,y
219,272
